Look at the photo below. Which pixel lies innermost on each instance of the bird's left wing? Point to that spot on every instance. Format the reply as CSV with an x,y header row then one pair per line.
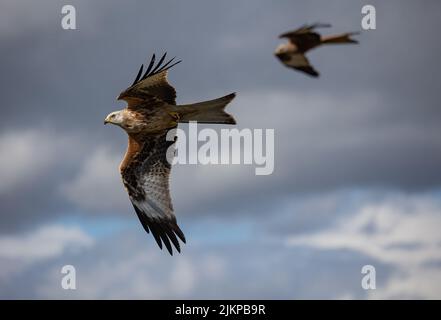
x,y
299,62
146,178
152,85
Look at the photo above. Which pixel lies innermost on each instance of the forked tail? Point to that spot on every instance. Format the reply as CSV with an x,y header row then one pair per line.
x,y
211,111
339,38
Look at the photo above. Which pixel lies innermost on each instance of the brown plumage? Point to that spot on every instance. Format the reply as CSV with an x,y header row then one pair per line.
x,y
150,114
300,41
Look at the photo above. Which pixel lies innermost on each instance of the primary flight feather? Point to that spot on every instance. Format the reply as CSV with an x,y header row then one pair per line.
x,y
150,114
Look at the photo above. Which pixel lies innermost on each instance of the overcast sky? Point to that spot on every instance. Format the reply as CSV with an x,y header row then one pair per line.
x,y
357,178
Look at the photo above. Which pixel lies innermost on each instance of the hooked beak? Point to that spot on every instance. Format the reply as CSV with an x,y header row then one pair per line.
x,y
107,120
277,52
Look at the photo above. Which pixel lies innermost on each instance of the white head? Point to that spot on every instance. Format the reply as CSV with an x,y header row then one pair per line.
x,y
116,117
281,49
126,120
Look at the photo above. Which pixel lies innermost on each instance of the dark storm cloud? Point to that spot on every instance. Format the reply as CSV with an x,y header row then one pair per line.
x,y
371,120
75,75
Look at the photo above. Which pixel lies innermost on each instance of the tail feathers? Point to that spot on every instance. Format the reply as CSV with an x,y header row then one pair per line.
x,y
340,38
211,111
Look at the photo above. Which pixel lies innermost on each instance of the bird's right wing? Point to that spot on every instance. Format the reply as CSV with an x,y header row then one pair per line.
x,y
299,62
305,37
308,70
146,178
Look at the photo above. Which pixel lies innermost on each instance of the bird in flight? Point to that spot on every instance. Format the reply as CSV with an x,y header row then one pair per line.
x,y
300,41
151,112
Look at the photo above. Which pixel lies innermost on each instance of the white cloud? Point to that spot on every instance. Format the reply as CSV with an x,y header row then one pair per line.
x,y
402,232
43,243
28,155
98,185
19,252
394,233
134,274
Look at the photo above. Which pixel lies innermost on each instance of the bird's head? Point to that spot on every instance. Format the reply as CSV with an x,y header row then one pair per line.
x,y
116,118
281,50
125,119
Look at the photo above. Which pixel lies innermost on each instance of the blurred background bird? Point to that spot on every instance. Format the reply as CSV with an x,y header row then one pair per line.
x,y
300,41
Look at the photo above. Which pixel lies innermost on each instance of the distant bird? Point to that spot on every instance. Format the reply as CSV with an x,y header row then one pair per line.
x,y
292,53
150,114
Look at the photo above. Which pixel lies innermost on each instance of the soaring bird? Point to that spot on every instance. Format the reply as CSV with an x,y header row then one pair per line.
x,y
151,112
300,41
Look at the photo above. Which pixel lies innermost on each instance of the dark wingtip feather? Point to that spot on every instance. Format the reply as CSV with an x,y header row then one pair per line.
x,y
166,242
156,234
171,235
138,75
231,96
310,71
163,231
179,233
140,217
152,69
306,27
152,62
355,33
173,64
159,63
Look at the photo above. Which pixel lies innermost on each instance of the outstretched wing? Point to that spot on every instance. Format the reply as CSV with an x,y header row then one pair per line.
x,y
308,70
146,178
152,84
305,38
299,62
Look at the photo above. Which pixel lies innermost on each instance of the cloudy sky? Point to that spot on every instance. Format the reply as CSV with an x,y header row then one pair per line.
x,y
357,177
